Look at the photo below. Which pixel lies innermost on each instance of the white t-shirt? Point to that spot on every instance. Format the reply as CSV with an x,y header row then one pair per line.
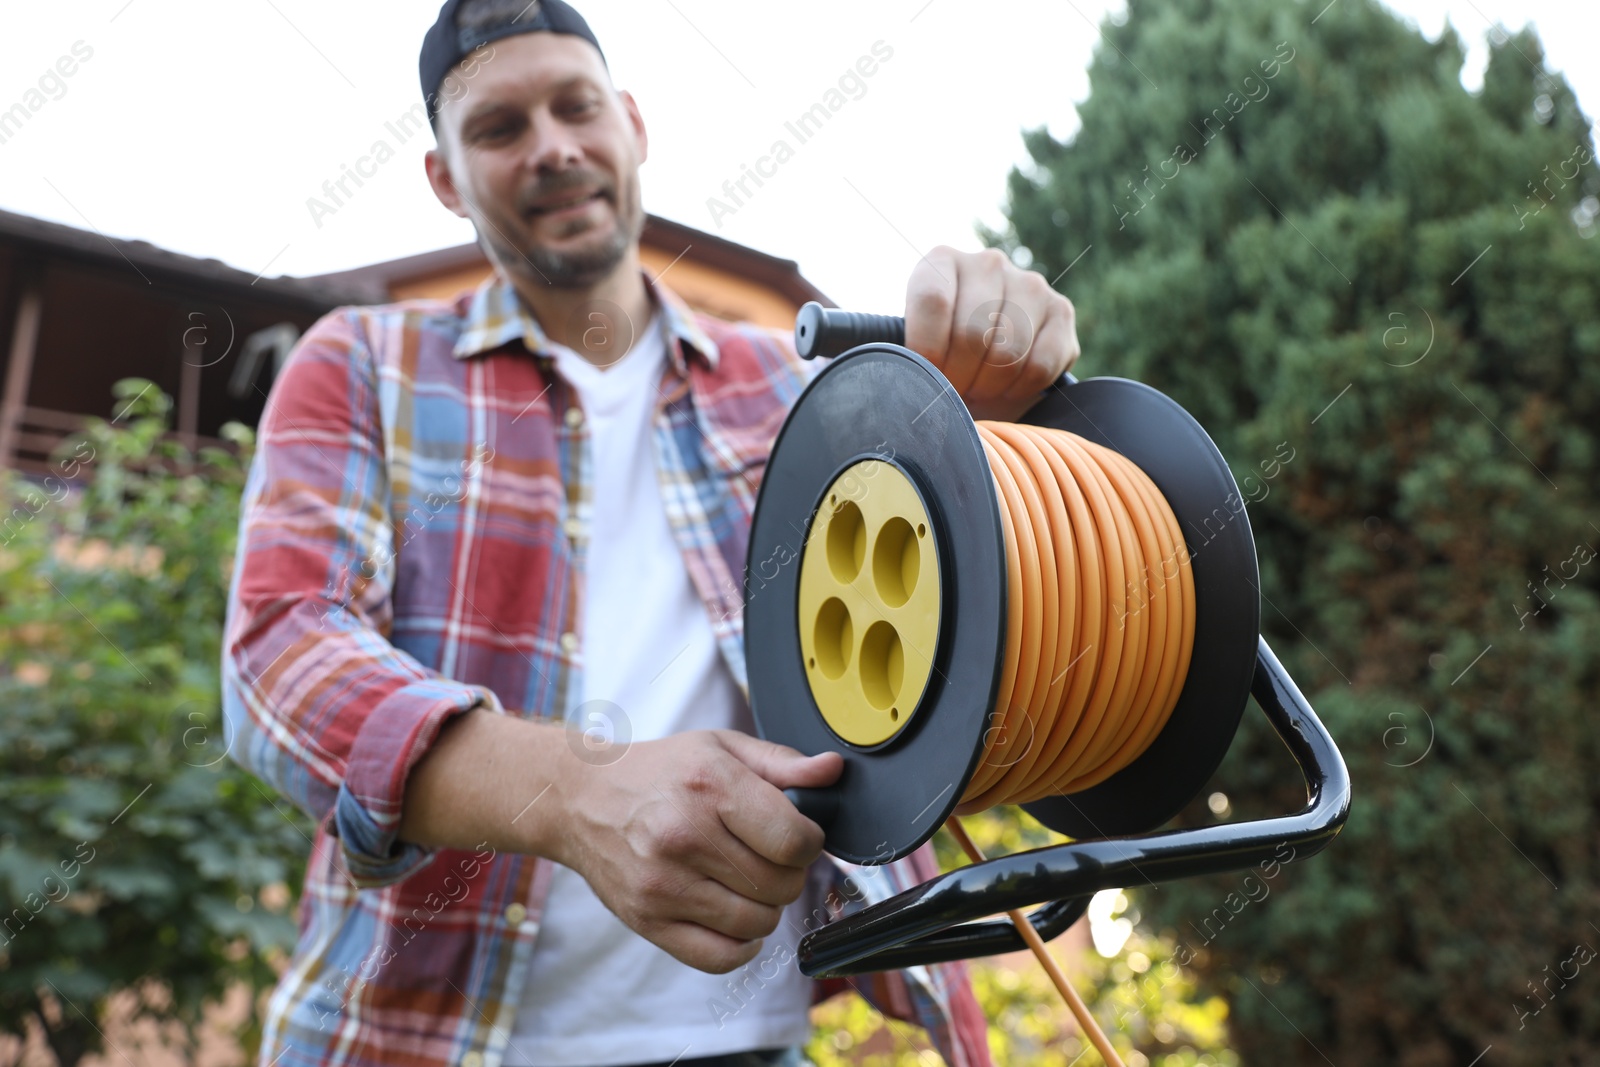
x,y
597,993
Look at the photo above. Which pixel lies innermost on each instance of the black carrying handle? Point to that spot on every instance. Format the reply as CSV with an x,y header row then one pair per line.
x,y
820,331
827,332
935,922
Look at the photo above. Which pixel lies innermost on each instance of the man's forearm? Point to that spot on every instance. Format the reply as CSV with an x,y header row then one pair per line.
x,y
489,778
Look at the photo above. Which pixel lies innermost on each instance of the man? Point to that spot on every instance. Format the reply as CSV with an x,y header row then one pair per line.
x,y
471,524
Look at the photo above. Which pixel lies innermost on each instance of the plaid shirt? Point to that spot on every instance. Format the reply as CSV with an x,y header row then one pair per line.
x,y
410,548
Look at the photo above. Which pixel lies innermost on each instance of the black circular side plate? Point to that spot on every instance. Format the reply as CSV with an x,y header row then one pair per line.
x,y
1165,442
885,402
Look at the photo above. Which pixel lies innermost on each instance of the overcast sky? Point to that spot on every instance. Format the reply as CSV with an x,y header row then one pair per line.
x,y
204,127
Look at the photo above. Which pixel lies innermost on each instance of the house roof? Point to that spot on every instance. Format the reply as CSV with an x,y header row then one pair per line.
x,y
161,267
371,284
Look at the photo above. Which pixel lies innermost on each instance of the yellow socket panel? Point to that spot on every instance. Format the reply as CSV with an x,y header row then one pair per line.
x,y
869,603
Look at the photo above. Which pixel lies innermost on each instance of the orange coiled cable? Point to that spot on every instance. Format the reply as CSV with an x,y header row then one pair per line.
x,y
1099,633
1101,620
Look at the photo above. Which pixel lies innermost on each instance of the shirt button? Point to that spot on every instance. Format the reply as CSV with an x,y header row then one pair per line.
x,y
472,1059
515,913
574,528
574,417
569,642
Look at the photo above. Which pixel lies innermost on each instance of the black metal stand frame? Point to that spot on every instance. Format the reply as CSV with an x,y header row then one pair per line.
x,y
936,921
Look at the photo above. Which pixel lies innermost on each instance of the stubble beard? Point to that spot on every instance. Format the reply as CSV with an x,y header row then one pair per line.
x,y
576,268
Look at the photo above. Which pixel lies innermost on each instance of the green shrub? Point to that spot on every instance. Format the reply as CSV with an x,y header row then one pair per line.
x,y
133,855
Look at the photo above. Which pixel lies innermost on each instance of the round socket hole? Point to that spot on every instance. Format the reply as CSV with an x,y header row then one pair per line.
x,y
847,542
833,637
896,560
882,665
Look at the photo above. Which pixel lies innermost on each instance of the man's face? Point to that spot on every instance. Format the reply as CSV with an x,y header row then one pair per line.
x,y
542,154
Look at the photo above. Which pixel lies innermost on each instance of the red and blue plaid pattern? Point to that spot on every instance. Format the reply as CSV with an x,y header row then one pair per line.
x,y
405,555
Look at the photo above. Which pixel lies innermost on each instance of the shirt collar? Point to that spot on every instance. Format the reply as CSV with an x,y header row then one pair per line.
x,y
497,316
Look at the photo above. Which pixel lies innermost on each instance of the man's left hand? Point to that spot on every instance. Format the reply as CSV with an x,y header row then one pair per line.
x,y
999,333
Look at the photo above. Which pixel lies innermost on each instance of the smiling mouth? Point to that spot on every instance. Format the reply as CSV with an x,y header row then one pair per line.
x,y
565,205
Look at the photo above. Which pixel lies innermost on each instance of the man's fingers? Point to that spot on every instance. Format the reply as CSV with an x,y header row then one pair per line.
x,y
1057,340
741,869
705,833
974,316
657,847
1055,349
760,816
781,765
999,334
978,323
1013,326
772,828
930,303
730,913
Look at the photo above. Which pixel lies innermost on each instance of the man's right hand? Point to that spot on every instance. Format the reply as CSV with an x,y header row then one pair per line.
x,y
690,841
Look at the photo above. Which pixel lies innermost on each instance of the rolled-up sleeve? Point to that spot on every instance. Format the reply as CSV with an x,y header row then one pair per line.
x,y
318,703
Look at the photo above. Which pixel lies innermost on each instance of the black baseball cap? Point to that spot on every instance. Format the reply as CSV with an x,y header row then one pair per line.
x,y
446,45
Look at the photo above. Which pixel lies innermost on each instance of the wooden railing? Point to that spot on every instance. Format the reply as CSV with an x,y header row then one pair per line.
x,y
39,432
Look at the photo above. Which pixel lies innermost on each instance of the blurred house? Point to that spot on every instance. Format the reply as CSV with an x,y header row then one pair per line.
x,y
713,275
79,311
